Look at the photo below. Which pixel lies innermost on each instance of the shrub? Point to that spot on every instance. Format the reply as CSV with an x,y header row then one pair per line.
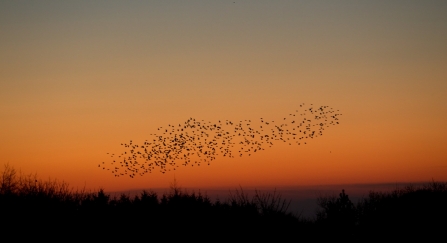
x,y
338,214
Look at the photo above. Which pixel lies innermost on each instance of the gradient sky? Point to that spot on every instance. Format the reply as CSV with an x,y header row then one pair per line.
x,y
78,78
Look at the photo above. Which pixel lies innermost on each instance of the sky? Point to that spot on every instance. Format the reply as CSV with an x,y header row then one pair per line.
x,y
79,78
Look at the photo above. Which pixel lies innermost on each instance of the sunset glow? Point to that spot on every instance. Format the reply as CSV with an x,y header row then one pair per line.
x,y
79,78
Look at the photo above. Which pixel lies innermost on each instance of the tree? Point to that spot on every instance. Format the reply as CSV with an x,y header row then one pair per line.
x,y
338,213
8,180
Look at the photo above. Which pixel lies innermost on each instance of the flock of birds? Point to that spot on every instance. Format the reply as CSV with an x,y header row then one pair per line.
x,y
196,141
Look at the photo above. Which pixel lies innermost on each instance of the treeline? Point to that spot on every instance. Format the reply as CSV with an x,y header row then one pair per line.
x,y
30,204
402,213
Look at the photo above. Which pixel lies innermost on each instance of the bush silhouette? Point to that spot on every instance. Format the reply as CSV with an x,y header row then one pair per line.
x,y
26,202
338,214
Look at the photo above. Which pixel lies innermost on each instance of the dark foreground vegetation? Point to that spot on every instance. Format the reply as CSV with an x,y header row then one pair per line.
x,y
50,209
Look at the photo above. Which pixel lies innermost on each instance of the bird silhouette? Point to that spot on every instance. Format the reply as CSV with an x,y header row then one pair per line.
x,y
198,141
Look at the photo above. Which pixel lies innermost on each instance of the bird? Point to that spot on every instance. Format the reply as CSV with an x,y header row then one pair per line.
x,y
197,141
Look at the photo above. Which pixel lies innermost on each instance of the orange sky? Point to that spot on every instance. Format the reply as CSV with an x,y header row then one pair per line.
x,y
78,79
